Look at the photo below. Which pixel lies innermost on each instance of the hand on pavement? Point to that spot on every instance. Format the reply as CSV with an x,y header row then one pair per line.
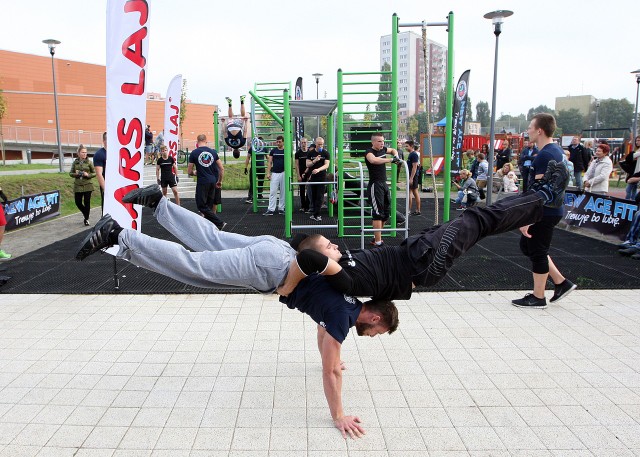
x,y
350,425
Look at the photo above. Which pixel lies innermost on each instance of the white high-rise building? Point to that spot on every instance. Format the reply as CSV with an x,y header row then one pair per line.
x,y
411,72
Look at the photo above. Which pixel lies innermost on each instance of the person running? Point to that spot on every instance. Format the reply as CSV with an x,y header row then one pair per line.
x,y
167,173
235,128
264,262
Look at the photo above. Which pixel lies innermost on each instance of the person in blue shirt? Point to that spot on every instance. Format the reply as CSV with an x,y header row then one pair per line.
x,y
415,170
207,167
536,238
100,165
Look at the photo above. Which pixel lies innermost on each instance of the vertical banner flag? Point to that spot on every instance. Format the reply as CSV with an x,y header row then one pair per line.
x,y
127,50
299,121
460,108
172,115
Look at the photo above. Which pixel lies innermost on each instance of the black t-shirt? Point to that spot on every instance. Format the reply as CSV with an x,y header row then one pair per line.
x,y
259,158
336,312
277,156
301,157
166,167
148,138
324,156
377,173
383,273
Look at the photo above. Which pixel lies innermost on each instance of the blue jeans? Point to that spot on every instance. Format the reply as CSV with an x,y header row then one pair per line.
x,y
219,258
460,197
632,191
633,236
578,176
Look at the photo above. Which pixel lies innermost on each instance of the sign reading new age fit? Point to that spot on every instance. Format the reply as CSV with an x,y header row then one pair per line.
x,y
32,208
607,215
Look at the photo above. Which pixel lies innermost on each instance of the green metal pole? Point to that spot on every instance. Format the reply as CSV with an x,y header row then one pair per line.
x,y
266,108
394,115
340,152
332,152
449,127
288,190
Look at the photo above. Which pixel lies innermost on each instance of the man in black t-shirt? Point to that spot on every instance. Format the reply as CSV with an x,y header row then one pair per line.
x,y
275,172
167,173
260,168
335,313
379,197
317,163
301,166
207,167
100,164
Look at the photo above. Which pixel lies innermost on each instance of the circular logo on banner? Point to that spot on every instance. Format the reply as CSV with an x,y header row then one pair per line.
x,y
205,159
461,90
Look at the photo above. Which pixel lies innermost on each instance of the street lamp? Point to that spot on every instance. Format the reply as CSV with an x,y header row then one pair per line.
x,y
597,112
497,18
635,113
317,76
52,50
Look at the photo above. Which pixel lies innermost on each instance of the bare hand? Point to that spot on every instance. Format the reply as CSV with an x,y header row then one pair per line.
x,y
350,425
314,172
218,185
525,231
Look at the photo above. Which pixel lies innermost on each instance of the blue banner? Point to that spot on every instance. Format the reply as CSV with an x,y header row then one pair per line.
x,y
606,215
29,209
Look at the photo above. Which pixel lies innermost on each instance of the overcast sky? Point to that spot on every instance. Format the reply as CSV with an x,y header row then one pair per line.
x,y
547,48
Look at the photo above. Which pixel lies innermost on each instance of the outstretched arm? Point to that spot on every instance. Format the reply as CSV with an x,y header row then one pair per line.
x,y
332,383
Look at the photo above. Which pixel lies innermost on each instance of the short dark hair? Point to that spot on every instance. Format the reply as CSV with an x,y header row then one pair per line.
x,y
481,156
546,122
200,138
310,242
375,134
387,311
409,143
104,136
279,137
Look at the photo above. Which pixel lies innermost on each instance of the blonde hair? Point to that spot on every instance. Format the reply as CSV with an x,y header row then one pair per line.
x,y
81,147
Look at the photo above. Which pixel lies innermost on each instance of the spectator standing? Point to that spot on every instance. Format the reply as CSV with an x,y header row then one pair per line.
x,y
525,161
100,165
633,170
413,162
317,164
580,157
207,167
301,165
148,143
379,197
503,156
631,245
167,173
569,165
259,164
275,172
83,171
596,179
3,222
483,173
536,238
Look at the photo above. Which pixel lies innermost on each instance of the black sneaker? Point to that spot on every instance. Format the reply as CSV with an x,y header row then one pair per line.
x,y
530,301
248,200
146,196
102,236
626,244
268,213
562,290
629,251
636,256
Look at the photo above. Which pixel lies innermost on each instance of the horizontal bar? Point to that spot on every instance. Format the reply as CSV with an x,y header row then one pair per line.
x,y
365,112
352,73
366,103
421,24
294,227
367,82
368,93
311,183
271,84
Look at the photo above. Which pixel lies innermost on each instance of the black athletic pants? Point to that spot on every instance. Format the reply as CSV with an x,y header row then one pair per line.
x,y
205,199
433,251
83,202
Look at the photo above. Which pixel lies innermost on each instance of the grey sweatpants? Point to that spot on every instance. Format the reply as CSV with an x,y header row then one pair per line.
x,y
219,258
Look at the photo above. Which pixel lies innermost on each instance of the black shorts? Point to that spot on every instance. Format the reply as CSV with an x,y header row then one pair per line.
x,y
380,200
415,183
170,182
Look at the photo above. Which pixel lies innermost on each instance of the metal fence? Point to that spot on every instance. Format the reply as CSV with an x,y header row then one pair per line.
x,y
37,135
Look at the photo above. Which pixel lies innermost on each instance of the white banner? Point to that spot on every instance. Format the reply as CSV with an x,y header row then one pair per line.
x,y
172,115
127,51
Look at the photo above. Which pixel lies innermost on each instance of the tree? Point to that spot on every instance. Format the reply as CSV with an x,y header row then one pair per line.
x,y
538,109
413,126
483,114
613,113
570,121
3,112
442,106
469,112
368,116
384,99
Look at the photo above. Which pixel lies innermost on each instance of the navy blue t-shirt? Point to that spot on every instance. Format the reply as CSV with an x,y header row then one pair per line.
x,y
278,160
413,158
100,160
205,159
334,311
550,152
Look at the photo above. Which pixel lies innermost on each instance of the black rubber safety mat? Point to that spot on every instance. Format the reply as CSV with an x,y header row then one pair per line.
x,y
494,264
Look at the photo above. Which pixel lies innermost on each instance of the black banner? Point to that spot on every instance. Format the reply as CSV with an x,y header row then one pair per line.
x,y
299,121
32,208
460,108
607,215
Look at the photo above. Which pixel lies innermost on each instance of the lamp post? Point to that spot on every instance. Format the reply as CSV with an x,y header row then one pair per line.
x,y
635,113
597,112
317,76
497,18
52,50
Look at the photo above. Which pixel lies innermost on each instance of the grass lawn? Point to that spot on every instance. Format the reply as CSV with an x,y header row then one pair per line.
x,y
33,166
